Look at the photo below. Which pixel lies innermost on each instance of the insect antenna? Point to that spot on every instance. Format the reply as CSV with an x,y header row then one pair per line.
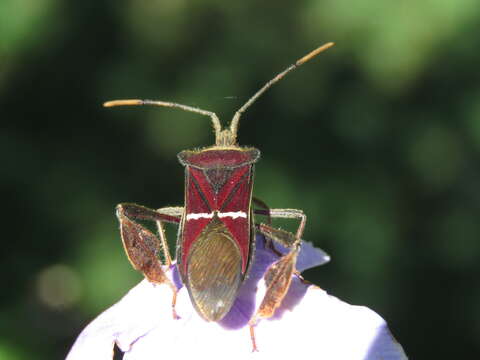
x,y
226,137
303,60
129,102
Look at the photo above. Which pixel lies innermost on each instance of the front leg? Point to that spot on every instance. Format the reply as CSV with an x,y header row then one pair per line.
x,y
142,246
279,275
265,209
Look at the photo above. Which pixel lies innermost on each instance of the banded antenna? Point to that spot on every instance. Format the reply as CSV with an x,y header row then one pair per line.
x,y
225,137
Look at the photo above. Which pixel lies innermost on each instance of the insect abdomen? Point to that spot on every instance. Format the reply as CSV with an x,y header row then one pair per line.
x,y
214,271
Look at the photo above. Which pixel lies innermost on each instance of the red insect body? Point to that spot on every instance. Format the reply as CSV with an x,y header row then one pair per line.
x,y
218,193
218,181
216,239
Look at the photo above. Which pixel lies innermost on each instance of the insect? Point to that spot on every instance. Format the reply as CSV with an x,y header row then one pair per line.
x,y
216,238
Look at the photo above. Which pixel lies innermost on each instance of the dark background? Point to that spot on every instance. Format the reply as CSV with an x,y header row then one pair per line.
x,y
377,140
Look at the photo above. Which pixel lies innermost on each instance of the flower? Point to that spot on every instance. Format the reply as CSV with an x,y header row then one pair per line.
x,y
309,322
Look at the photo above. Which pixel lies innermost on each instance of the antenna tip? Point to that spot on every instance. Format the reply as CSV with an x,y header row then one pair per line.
x,y
314,53
123,102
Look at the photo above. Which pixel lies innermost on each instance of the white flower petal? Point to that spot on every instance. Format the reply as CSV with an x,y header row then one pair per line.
x,y
143,308
309,322
315,324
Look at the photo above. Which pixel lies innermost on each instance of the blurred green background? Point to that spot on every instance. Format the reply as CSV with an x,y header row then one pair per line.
x,y
377,140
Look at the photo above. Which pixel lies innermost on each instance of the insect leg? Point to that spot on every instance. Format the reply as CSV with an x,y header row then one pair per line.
x,y
291,214
142,246
278,276
265,209
175,211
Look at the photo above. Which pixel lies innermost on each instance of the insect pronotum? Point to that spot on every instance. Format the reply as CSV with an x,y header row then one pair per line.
x,y
216,239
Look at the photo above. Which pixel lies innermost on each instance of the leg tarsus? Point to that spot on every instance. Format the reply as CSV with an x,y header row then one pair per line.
x,y
174,301
252,337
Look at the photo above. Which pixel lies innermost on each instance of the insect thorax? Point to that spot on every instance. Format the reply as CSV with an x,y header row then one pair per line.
x,y
218,183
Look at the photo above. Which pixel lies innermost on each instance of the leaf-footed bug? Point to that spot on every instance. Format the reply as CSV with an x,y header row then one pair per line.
x,y
216,238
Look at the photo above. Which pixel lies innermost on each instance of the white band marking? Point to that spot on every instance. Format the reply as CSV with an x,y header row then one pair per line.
x,y
196,216
232,214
